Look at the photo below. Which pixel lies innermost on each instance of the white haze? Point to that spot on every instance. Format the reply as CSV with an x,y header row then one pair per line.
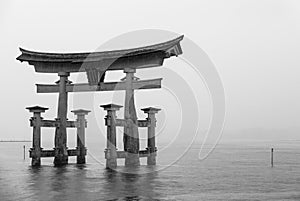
x,y
254,44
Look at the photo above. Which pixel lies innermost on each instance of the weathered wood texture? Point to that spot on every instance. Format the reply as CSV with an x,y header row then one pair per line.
x,y
108,86
111,153
51,153
36,136
111,140
149,60
131,134
126,123
142,57
81,125
111,162
36,152
95,65
52,123
60,142
123,154
151,159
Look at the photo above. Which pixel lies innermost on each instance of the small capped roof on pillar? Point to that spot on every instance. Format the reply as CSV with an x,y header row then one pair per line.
x,y
140,57
80,111
111,106
150,109
37,109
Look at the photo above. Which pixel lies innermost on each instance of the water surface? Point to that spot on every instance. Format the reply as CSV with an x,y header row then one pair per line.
x,y
234,171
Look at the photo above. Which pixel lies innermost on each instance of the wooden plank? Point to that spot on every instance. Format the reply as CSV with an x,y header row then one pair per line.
x,y
72,124
51,153
121,154
142,153
143,123
124,122
54,123
121,122
105,86
73,152
50,123
147,60
147,84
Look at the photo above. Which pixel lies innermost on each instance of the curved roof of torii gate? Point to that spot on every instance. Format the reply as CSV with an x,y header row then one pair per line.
x,y
141,57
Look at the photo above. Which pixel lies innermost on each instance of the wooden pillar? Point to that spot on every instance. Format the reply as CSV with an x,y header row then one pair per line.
x,y
61,153
151,159
131,134
35,151
111,141
81,125
272,157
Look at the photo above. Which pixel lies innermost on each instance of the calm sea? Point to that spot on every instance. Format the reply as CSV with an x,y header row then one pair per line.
x,y
233,171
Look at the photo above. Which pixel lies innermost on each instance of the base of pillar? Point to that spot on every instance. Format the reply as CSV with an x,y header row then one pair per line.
x,y
36,162
132,160
60,160
60,156
111,163
151,160
80,159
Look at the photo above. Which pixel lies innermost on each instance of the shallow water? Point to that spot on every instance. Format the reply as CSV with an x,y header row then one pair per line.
x,y
234,171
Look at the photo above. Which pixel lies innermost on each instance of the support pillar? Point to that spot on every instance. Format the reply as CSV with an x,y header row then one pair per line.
x,y
35,151
131,134
151,159
61,153
81,125
111,142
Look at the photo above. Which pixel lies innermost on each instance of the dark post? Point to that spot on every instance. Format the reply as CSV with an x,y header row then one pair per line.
x,y
81,125
61,153
151,159
131,133
111,143
36,149
272,158
24,152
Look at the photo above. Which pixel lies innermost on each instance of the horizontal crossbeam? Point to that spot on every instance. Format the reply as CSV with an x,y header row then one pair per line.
x,y
124,123
51,153
105,86
142,153
143,123
53,123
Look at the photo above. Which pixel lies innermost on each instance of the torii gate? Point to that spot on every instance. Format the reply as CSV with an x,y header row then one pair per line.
x,y
95,64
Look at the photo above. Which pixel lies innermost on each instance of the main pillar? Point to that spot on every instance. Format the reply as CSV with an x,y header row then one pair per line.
x,y
81,125
151,159
111,141
131,134
36,149
61,153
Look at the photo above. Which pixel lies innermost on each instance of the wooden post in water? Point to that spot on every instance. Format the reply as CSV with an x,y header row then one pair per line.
x,y
23,152
111,141
61,153
151,159
272,157
131,133
35,121
81,125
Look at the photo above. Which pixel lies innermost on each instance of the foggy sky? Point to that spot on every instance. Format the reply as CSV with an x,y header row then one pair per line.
x,y
253,43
